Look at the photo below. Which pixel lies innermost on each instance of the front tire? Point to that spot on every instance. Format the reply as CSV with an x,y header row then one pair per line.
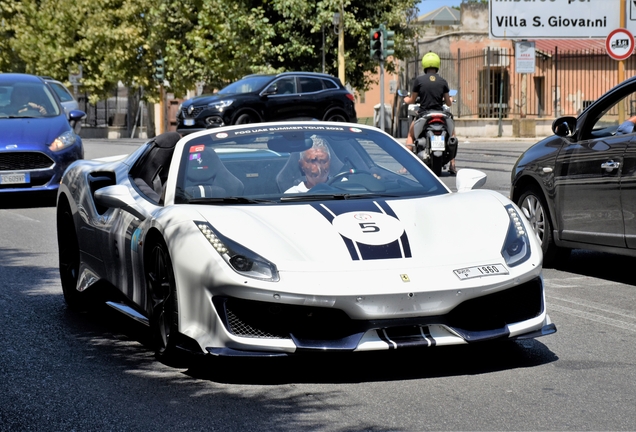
x,y
244,118
535,209
162,295
69,259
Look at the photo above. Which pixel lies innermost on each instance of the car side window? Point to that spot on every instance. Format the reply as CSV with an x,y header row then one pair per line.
x,y
328,84
285,86
310,85
607,121
61,92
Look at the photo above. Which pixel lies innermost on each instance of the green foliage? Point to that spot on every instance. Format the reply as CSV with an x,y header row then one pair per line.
x,y
210,41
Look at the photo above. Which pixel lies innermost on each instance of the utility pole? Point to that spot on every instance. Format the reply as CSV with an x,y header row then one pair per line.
x,y
341,47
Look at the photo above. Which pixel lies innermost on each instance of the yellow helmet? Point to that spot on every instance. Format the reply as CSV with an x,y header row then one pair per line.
x,y
430,60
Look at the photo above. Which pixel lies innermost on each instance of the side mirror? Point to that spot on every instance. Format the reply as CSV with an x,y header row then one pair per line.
x,y
75,119
564,126
402,93
118,196
468,179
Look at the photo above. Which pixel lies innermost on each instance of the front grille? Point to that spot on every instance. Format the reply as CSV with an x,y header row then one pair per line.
x,y
493,311
248,318
256,319
16,161
195,112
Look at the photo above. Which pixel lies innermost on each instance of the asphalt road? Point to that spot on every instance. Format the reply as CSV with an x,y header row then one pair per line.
x,y
61,371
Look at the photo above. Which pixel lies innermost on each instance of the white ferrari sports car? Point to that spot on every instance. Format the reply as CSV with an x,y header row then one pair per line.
x,y
283,238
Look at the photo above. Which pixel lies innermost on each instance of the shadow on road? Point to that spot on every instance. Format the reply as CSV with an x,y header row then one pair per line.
x,y
600,265
378,366
28,200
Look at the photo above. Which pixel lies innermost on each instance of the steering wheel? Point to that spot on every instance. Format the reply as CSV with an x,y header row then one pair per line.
x,y
27,108
339,176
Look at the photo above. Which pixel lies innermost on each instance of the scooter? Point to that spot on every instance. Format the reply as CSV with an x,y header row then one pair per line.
x,y
434,140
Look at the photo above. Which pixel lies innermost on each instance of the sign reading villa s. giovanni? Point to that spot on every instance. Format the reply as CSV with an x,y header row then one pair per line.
x,y
553,19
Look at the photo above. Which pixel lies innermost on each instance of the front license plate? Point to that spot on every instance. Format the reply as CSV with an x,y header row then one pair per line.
x,y
437,143
481,271
14,178
188,122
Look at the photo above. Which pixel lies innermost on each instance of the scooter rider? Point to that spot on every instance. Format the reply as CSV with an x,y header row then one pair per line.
x,y
433,92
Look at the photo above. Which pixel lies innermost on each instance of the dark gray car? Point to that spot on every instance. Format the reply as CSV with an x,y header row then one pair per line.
x,y
266,98
578,187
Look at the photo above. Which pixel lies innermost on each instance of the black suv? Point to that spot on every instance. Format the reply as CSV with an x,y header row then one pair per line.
x,y
266,98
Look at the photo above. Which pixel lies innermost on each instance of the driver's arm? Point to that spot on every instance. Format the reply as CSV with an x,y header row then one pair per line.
x,y
448,100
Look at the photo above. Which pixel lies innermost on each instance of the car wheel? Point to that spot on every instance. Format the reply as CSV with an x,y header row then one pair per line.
x,y
535,209
244,119
336,116
162,294
69,258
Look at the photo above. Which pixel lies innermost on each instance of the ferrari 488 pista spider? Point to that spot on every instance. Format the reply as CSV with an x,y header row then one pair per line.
x,y
280,238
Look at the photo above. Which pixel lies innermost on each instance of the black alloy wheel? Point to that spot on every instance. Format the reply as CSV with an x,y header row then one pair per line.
x,y
162,295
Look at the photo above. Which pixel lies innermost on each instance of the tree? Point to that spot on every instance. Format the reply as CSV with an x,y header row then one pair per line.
x,y
213,41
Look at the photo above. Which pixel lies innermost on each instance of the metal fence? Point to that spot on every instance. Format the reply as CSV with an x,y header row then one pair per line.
x,y
564,82
121,109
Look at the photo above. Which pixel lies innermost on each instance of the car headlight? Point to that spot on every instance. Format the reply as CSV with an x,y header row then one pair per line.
x,y
241,259
221,104
65,140
516,248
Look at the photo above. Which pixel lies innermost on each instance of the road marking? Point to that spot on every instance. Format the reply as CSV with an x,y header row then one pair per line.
x,y
12,214
605,308
593,317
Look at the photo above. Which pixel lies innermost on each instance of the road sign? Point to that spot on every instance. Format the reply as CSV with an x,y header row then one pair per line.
x,y
620,44
554,19
525,58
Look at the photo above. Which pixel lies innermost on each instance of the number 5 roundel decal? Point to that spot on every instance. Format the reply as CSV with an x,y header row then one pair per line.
x,y
368,227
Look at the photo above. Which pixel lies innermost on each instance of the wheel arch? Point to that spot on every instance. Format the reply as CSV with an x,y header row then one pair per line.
x,y
526,182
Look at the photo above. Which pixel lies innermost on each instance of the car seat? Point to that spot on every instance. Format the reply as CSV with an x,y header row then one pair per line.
x,y
207,177
151,173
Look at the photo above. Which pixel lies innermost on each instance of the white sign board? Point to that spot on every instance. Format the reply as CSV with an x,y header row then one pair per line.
x,y
524,57
555,19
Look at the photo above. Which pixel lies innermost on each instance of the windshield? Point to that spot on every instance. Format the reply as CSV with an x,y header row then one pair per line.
x,y
298,162
27,99
246,85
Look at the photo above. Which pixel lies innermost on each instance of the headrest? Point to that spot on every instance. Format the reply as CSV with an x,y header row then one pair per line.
x,y
203,166
167,139
284,145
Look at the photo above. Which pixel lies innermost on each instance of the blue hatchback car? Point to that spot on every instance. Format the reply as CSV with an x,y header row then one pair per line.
x,y
37,139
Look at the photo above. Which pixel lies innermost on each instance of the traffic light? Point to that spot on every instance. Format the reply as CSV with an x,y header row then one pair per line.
x,y
159,69
375,41
387,42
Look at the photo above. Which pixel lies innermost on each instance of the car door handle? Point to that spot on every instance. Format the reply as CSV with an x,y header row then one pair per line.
x,y
610,165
